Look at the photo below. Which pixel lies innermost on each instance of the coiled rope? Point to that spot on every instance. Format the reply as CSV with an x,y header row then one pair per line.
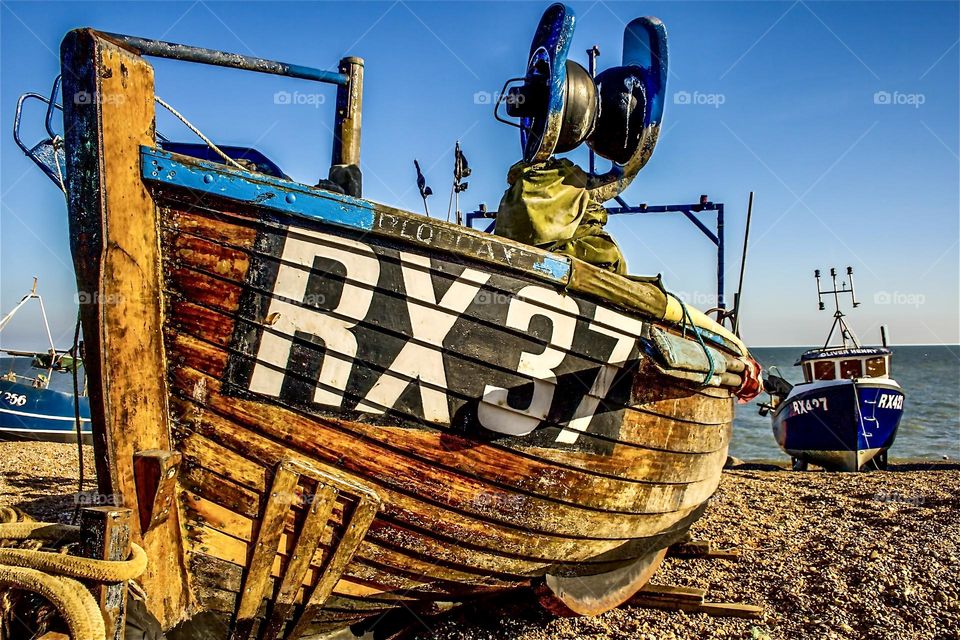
x,y
688,321
54,576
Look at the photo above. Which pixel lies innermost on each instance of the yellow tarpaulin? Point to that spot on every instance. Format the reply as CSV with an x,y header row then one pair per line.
x,y
548,206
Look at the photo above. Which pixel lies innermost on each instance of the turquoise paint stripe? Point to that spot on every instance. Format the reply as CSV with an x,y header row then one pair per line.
x,y
260,190
554,267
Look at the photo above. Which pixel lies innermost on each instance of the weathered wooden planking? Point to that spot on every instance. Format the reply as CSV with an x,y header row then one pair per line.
x,y
502,468
643,426
461,534
453,561
218,275
459,492
217,294
373,552
116,252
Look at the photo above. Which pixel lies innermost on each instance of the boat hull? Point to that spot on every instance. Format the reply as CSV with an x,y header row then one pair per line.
x,y
839,424
30,413
465,509
372,409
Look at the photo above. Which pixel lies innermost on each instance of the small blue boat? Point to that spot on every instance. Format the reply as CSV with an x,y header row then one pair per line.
x,y
844,415
36,390
28,412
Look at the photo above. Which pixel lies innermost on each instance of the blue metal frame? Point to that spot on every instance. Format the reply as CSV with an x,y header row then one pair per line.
x,y
687,210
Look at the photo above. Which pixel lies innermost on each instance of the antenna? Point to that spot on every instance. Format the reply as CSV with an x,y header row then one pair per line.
x,y
593,53
845,333
738,296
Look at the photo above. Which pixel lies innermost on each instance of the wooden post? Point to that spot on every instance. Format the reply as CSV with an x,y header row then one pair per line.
x,y
106,536
109,114
346,139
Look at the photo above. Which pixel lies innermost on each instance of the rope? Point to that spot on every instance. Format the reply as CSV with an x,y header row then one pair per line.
x,y
54,576
74,603
57,144
200,135
76,410
688,321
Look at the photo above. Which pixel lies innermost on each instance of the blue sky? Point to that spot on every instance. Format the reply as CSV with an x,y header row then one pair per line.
x,y
841,116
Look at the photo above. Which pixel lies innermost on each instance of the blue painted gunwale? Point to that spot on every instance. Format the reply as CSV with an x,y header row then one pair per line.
x,y
295,199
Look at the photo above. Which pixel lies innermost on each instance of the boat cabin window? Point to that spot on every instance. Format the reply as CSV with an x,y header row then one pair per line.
x,y
850,369
807,372
876,367
824,370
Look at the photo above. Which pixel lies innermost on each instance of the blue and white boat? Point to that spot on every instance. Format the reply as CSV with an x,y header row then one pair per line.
x,y
37,401
844,415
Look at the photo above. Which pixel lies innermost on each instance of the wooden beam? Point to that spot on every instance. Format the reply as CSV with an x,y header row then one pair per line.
x,y
155,474
282,496
308,540
106,536
114,232
731,610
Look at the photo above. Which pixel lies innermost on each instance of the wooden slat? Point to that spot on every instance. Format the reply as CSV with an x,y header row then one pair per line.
x,y
282,496
360,521
308,540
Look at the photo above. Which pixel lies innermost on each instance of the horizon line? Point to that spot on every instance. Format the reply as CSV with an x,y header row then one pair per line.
x,y
904,344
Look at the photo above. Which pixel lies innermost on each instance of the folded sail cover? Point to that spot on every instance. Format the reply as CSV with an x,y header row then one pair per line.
x,y
548,206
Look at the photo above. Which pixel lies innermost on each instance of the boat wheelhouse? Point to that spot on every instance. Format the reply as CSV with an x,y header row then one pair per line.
x,y
841,363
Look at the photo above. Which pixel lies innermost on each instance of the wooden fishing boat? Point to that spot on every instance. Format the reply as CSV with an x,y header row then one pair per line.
x,y
320,408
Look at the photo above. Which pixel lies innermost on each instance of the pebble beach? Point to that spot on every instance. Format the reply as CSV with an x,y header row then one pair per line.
x,y
824,555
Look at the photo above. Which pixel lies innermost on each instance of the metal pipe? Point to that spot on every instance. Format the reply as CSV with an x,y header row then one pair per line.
x,y
592,54
743,267
186,53
720,301
346,139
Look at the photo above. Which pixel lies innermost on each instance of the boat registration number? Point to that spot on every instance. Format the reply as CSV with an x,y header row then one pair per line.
x,y
15,399
800,407
405,339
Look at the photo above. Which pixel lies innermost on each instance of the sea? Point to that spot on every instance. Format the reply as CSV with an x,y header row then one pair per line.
x,y
929,375
929,429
